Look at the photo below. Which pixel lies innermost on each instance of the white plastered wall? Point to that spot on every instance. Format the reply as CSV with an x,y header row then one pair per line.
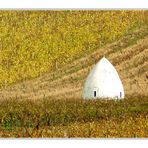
x,y
103,82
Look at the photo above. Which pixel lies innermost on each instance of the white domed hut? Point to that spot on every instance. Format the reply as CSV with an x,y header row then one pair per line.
x,y
103,82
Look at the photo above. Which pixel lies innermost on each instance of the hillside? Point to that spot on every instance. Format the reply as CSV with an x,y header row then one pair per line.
x,y
45,58
35,42
129,55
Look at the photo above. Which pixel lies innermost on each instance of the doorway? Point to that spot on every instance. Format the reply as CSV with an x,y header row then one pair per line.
x,y
95,93
120,94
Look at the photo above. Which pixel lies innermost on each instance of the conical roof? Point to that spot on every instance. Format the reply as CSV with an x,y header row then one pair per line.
x,y
103,82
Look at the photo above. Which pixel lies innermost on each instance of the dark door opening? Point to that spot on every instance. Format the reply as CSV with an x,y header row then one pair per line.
x,y
95,93
120,94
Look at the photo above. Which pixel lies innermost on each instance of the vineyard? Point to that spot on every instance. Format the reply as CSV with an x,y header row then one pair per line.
x,y
35,42
74,118
45,57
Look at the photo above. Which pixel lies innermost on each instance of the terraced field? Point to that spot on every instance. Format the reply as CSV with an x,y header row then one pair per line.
x,y
129,55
